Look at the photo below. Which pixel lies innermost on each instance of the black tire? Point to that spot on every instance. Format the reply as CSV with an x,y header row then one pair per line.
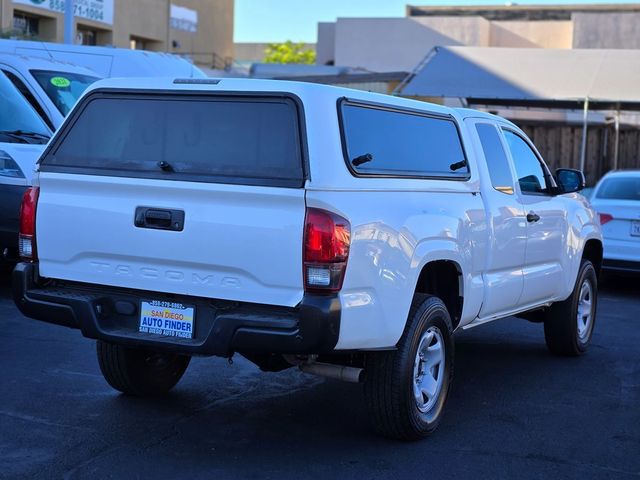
x,y
561,330
389,376
140,372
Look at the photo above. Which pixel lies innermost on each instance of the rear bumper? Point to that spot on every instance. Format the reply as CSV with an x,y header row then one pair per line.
x,y
221,327
627,250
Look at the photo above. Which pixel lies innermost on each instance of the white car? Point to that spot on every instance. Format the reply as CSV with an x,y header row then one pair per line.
x,y
344,232
52,87
23,136
616,198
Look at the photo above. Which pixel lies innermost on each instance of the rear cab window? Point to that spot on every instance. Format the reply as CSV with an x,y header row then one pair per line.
x,y
393,142
252,140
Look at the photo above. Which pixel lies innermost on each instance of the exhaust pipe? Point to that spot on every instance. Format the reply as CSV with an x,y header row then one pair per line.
x,y
338,372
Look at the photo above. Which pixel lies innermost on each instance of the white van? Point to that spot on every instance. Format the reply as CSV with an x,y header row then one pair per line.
x,y
52,87
108,61
23,135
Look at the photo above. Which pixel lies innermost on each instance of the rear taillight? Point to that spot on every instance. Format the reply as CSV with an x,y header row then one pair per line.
x,y
605,218
27,236
327,237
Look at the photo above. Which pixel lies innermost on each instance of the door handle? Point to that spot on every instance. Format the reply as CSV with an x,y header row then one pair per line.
x,y
159,218
532,217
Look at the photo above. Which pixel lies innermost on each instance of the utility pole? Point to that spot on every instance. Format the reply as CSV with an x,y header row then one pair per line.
x,y
585,123
168,47
68,22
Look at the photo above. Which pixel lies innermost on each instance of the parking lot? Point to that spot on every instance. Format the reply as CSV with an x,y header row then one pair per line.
x,y
515,411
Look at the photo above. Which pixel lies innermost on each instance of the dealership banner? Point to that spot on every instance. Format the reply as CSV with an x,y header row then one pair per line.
x,y
96,10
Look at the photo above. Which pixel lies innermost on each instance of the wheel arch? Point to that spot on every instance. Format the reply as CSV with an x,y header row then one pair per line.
x,y
593,251
443,279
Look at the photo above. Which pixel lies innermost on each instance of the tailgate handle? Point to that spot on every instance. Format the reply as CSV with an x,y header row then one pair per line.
x,y
159,218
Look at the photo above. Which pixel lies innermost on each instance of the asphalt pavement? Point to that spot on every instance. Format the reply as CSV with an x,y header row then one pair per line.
x,y
515,412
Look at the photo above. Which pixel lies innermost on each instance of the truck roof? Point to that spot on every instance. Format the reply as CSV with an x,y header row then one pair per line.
x,y
304,90
471,113
301,89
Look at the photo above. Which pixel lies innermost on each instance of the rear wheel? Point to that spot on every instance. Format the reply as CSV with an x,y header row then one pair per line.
x,y
140,372
406,389
568,325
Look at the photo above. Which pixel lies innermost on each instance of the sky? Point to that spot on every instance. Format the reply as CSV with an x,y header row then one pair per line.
x,y
280,20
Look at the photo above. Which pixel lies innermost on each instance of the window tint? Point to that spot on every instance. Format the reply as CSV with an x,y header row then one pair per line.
x,y
620,188
497,161
222,137
402,143
528,168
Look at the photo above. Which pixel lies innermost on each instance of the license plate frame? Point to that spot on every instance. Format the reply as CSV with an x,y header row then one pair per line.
x,y
167,319
635,228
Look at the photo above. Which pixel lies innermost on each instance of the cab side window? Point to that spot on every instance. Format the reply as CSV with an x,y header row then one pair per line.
x,y
529,169
496,158
398,143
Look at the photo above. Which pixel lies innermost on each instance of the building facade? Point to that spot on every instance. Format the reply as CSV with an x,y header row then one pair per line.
x,y
392,44
201,29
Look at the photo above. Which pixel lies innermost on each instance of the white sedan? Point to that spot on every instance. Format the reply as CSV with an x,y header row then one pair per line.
x,y
616,198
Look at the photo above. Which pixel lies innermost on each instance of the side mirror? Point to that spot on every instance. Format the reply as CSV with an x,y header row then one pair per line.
x,y
569,180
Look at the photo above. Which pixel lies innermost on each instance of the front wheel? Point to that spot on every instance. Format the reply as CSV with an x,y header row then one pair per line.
x,y
138,372
568,325
406,389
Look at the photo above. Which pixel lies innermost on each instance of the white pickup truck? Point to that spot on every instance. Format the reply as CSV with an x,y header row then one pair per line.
x,y
343,232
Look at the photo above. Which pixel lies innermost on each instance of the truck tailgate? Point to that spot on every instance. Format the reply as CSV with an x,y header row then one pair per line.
x,y
238,242
188,193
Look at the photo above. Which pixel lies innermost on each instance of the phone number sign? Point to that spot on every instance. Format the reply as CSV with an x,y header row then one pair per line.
x,y
96,10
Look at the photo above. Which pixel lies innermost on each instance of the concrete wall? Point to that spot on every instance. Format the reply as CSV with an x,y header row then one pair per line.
x,y
326,46
613,30
388,44
146,21
398,44
523,34
215,31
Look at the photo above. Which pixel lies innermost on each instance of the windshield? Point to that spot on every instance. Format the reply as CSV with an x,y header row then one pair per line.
x,y
63,88
620,188
19,122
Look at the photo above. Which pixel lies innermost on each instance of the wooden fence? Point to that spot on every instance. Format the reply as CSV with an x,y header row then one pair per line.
x,y
560,144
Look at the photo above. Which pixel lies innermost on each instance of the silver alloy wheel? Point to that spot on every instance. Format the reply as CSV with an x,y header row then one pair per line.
x,y
428,369
585,310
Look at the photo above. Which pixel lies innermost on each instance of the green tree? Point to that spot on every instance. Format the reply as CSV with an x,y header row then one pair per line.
x,y
288,52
